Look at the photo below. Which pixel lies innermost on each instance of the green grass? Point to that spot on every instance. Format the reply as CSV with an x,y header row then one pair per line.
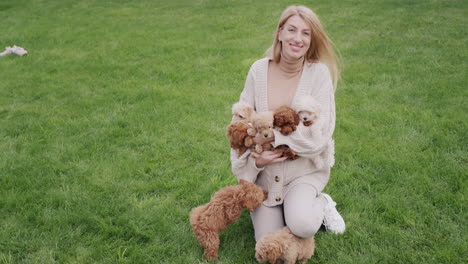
x,y
112,128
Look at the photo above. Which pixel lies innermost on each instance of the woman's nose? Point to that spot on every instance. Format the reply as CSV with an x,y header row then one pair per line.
x,y
297,37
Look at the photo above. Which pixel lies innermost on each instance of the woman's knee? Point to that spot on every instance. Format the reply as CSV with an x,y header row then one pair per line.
x,y
266,220
303,210
304,227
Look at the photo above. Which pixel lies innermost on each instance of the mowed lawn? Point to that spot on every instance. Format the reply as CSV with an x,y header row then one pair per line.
x,y
113,128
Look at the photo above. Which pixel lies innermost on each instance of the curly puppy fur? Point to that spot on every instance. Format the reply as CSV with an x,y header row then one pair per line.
x,y
263,125
308,110
284,245
242,111
285,120
286,152
224,208
238,135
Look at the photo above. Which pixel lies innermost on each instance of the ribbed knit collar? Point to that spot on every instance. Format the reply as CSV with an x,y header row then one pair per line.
x,y
291,67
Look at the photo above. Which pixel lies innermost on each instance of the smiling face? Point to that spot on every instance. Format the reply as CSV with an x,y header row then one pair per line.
x,y
295,36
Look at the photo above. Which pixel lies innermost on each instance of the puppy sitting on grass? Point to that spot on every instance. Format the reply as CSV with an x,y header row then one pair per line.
x,y
224,208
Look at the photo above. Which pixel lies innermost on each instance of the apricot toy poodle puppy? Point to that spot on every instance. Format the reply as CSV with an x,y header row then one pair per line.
x,y
242,111
308,110
224,208
263,125
283,245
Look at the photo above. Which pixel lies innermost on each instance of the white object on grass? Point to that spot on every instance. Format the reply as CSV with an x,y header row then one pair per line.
x,y
19,51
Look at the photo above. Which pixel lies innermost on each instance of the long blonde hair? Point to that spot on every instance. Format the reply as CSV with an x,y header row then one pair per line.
x,y
320,49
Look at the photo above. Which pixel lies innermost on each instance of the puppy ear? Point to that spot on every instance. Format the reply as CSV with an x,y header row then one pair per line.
x,y
273,255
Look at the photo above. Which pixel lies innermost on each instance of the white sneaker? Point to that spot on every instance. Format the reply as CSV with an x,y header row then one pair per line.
x,y
332,220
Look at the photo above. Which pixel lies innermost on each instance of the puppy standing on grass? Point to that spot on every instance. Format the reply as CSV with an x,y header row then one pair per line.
x,y
284,245
224,208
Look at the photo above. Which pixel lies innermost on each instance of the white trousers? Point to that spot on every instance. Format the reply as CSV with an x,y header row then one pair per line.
x,y
301,211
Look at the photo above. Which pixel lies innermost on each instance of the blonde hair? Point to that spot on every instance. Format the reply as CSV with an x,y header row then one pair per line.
x,y
320,49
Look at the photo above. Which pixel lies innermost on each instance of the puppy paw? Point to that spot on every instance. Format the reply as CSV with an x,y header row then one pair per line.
x,y
258,148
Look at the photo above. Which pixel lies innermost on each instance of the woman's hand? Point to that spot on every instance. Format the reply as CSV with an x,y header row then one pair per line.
x,y
269,157
259,139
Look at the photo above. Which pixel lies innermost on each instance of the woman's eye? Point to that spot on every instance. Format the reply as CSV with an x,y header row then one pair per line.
x,y
306,33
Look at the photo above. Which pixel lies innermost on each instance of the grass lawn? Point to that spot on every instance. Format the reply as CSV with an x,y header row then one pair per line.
x,y
112,128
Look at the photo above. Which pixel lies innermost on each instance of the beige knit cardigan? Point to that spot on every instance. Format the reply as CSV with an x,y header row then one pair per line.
x,y
315,81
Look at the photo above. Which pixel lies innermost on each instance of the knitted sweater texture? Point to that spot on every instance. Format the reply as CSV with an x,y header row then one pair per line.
x,y
315,81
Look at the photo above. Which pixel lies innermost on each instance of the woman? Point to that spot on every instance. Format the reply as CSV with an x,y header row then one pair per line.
x,y
300,62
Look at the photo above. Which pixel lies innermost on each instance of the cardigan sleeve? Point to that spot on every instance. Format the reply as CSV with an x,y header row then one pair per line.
x,y
303,140
244,167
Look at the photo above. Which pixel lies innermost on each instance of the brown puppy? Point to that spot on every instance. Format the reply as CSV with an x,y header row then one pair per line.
x,y
285,120
238,135
224,208
286,152
284,245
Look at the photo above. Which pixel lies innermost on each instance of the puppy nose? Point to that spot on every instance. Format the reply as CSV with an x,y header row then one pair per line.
x,y
265,135
305,118
287,133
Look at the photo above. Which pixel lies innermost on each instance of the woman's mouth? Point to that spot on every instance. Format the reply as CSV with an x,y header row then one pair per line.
x,y
295,48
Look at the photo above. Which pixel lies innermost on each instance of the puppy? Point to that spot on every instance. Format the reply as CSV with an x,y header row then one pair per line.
x,y
286,152
238,136
224,208
242,111
284,245
285,120
263,125
308,110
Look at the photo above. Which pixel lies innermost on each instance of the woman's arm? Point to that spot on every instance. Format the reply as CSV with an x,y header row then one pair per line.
x,y
244,166
303,141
